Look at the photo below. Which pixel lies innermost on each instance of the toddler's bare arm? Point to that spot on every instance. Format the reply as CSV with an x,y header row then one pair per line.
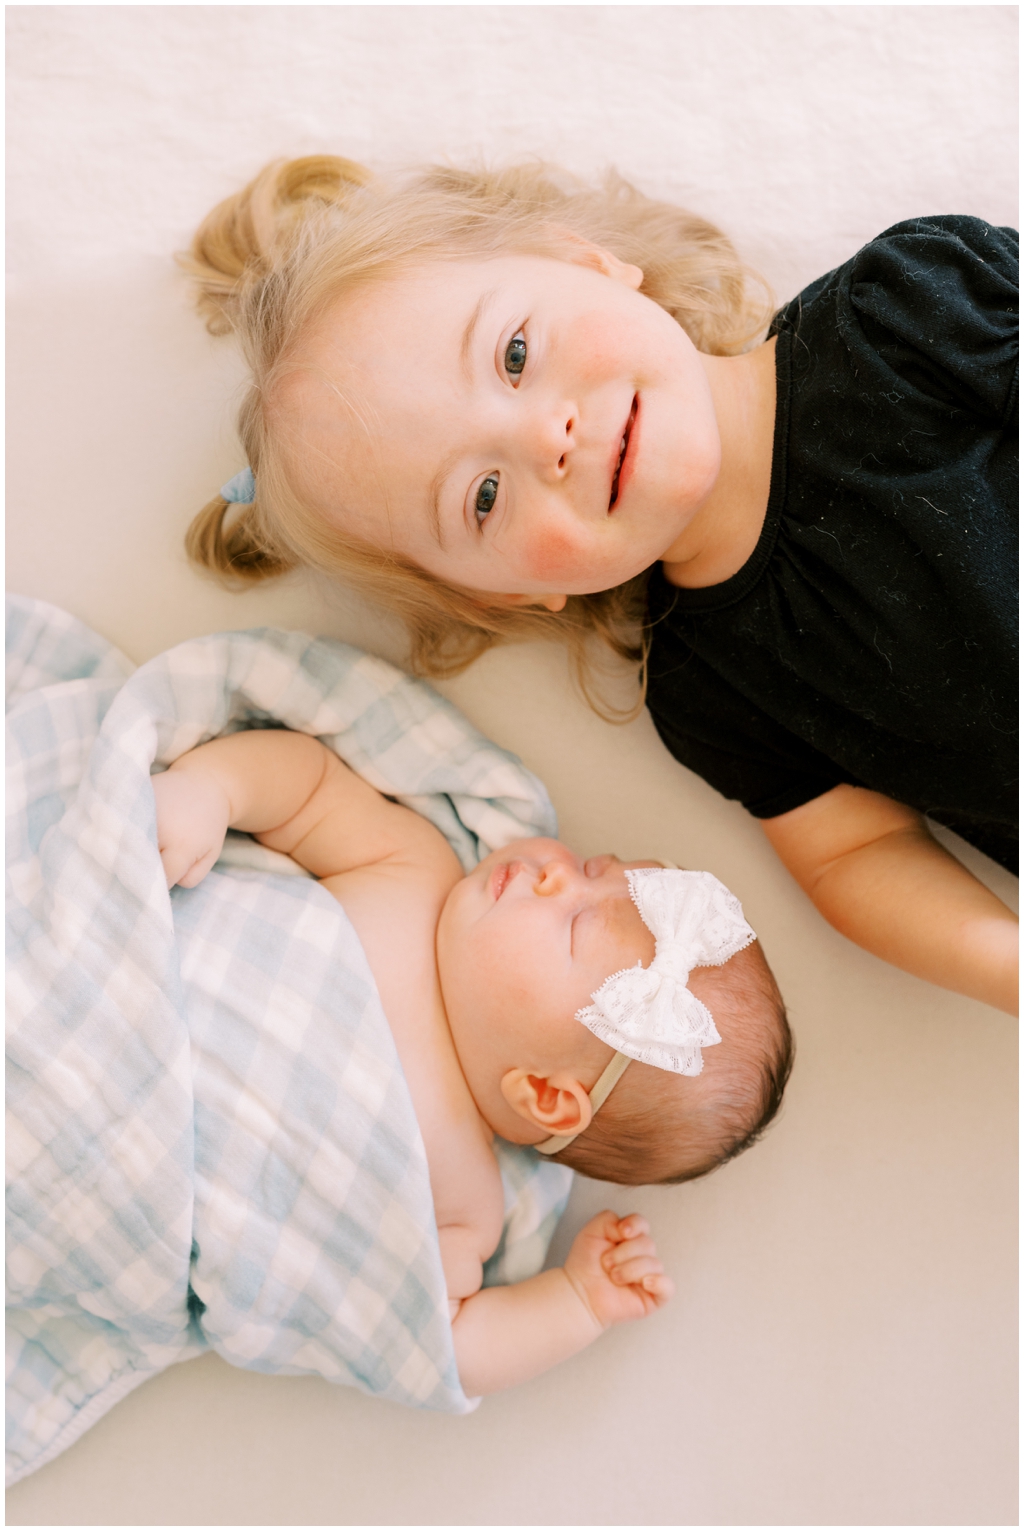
x,y
507,1334
876,874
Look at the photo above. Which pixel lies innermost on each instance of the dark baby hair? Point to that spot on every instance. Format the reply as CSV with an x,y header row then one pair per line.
x,y
660,1128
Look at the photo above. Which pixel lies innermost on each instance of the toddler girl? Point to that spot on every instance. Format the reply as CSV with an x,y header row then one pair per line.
x,y
485,980
512,408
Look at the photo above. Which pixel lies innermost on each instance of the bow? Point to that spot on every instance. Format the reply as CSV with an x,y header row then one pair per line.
x,y
649,1013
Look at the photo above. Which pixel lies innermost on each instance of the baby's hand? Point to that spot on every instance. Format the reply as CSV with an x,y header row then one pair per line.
x,y
192,817
615,1269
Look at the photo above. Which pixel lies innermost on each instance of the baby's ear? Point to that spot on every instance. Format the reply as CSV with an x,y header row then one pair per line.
x,y
557,1104
585,253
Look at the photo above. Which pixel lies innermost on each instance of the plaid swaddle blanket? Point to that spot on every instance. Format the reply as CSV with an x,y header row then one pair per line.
x,y
210,1141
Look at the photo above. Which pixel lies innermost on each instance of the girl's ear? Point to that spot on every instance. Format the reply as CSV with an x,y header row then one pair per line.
x,y
558,1104
585,253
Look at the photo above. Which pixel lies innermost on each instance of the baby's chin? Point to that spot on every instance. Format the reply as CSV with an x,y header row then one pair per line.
x,y
456,948
456,917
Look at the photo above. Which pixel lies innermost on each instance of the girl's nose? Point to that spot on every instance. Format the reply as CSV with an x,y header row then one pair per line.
x,y
550,437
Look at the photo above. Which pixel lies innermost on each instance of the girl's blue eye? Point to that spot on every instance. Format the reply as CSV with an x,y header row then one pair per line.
x,y
515,354
486,495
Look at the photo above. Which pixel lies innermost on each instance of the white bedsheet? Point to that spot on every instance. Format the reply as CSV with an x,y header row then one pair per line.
x,y
841,1349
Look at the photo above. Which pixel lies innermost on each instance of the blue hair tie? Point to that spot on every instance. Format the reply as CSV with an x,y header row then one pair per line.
x,y
240,490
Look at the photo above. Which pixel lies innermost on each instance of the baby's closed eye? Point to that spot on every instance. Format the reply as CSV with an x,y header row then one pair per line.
x,y
612,935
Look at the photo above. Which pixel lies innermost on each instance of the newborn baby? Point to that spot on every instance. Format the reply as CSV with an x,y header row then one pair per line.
x,y
485,980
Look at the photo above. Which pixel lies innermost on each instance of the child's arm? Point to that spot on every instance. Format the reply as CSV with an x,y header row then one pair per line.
x,y
290,791
876,874
507,1334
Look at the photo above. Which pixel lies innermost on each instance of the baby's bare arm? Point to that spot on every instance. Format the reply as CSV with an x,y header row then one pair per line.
x,y
294,795
507,1334
876,874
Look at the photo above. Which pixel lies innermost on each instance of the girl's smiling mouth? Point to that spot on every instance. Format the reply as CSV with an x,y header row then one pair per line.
x,y
624,457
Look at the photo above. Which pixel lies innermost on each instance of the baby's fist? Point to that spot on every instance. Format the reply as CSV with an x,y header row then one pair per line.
x,y
192,817
615,1269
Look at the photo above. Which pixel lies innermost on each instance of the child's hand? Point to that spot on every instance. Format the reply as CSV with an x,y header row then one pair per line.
x,y
615,1270
192,817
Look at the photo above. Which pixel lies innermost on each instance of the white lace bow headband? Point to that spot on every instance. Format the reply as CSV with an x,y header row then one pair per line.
x,y
649,1013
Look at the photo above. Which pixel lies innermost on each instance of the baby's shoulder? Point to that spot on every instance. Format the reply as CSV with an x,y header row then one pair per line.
x,y
402,888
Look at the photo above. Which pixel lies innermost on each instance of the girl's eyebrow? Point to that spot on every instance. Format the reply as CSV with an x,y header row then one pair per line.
x,y
470,330
448,463
434,494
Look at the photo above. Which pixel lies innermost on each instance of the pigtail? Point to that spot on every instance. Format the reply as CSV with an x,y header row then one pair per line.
x,y
235,549
248,236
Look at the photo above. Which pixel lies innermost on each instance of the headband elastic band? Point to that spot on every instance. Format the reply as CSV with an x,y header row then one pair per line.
x,y
598,1095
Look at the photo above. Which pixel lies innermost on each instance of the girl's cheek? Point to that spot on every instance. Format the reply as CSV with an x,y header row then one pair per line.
x,y
596,346
552,554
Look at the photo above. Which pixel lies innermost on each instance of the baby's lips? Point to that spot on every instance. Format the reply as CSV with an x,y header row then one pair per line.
x,y
502,876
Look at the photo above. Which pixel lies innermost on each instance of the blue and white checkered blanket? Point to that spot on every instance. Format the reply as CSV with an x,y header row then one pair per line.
x,y
211,1143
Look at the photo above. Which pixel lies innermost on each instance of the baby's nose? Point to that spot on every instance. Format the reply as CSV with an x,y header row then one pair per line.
x,y
552,878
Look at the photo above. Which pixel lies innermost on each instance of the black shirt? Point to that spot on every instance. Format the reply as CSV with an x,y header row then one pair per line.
x,y
871,636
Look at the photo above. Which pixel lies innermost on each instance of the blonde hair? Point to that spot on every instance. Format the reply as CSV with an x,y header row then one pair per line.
x,y
270,259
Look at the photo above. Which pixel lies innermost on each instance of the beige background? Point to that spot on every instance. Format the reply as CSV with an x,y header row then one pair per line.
x,y
842,1346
